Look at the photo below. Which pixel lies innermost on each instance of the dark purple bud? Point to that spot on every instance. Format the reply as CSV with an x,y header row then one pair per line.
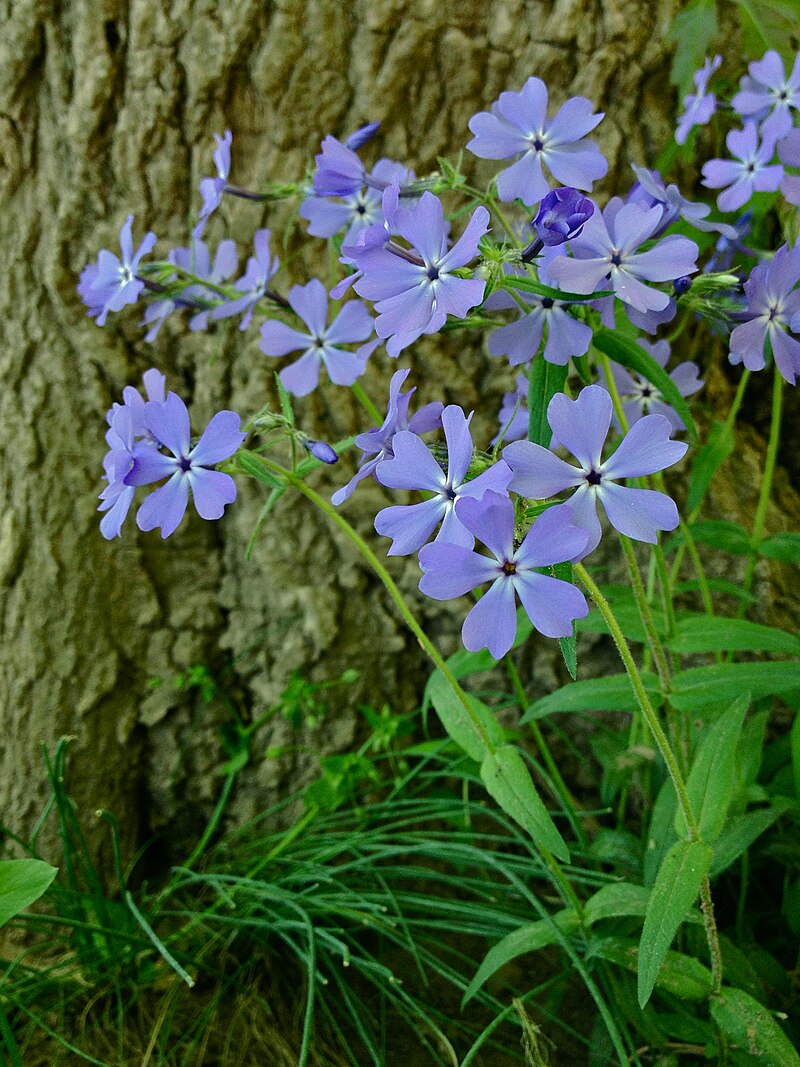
x,y
360,137
321,450
561,215
682,285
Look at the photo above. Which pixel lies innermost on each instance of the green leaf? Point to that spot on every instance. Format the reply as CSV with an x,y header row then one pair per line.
x,y
528,938
707,461
629,354
615,900
251,464
457,720
21,883
528,285
692,32
752,1028
704,633
784,547
661,831
742,831
569,653
680,975
768,24
546,379
286,401
508,780
610,693
710,782
675,890
720,683
719,533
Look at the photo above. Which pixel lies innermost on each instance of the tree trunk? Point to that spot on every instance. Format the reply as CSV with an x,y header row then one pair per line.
x,y
107,107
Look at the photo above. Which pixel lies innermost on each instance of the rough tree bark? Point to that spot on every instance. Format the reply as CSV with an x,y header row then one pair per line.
x,y
107,107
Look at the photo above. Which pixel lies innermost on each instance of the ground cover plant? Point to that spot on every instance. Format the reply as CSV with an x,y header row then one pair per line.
x,y
669,909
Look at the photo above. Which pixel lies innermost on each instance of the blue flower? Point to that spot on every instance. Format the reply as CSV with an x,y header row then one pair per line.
x,y
187,468
582,426
416,289
111,283
551,604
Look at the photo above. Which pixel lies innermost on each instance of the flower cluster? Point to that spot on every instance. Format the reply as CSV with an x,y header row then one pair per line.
x,y
544,275
138,431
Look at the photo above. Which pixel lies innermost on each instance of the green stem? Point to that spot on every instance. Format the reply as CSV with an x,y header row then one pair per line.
x,y
766,485
646,615
213,822
366,403
391,588
647,709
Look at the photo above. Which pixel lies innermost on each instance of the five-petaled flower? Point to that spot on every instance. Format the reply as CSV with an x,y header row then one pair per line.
x,y
187,468
582,426
517,127
551,604
111,282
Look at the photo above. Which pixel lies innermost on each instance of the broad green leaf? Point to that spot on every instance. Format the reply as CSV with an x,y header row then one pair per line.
x,y
457,720
568,645
743,831
529,938
710,783
661,831
718,585
784,547
720,683
768,24
704,633
692,32
674,891
680,975
722,534
615,900
629,354
707,460
508,781
611,693
752,1028
546,379
21,883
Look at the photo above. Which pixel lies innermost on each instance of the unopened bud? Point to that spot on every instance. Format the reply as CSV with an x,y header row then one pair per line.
x,y
321,450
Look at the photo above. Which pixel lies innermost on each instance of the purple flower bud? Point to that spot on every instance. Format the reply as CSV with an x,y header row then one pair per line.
x,y
321,450
561,216
682,285
360,137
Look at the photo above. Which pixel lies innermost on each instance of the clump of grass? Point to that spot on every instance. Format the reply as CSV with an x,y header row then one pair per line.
x,y
348,939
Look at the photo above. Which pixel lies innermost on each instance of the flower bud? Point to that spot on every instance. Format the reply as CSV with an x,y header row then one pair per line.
x,y
561,216
360,136
682,285
321,450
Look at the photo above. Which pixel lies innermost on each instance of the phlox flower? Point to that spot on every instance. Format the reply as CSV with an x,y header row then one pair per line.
x,y
699,106
252,284
606,253
339,170
413,467
415,290
517,127
377,444
520,340
321,345
187,469
196,260
551,604
767,90
581,426
773,308
111,283
211,189
640,397
356,211
126,427
751,172
789,155
650,190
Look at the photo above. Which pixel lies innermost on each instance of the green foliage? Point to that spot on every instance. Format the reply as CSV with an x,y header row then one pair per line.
x,y
22,882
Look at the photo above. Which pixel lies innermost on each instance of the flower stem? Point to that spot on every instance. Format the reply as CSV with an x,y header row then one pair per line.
x,y
766,486
366,403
